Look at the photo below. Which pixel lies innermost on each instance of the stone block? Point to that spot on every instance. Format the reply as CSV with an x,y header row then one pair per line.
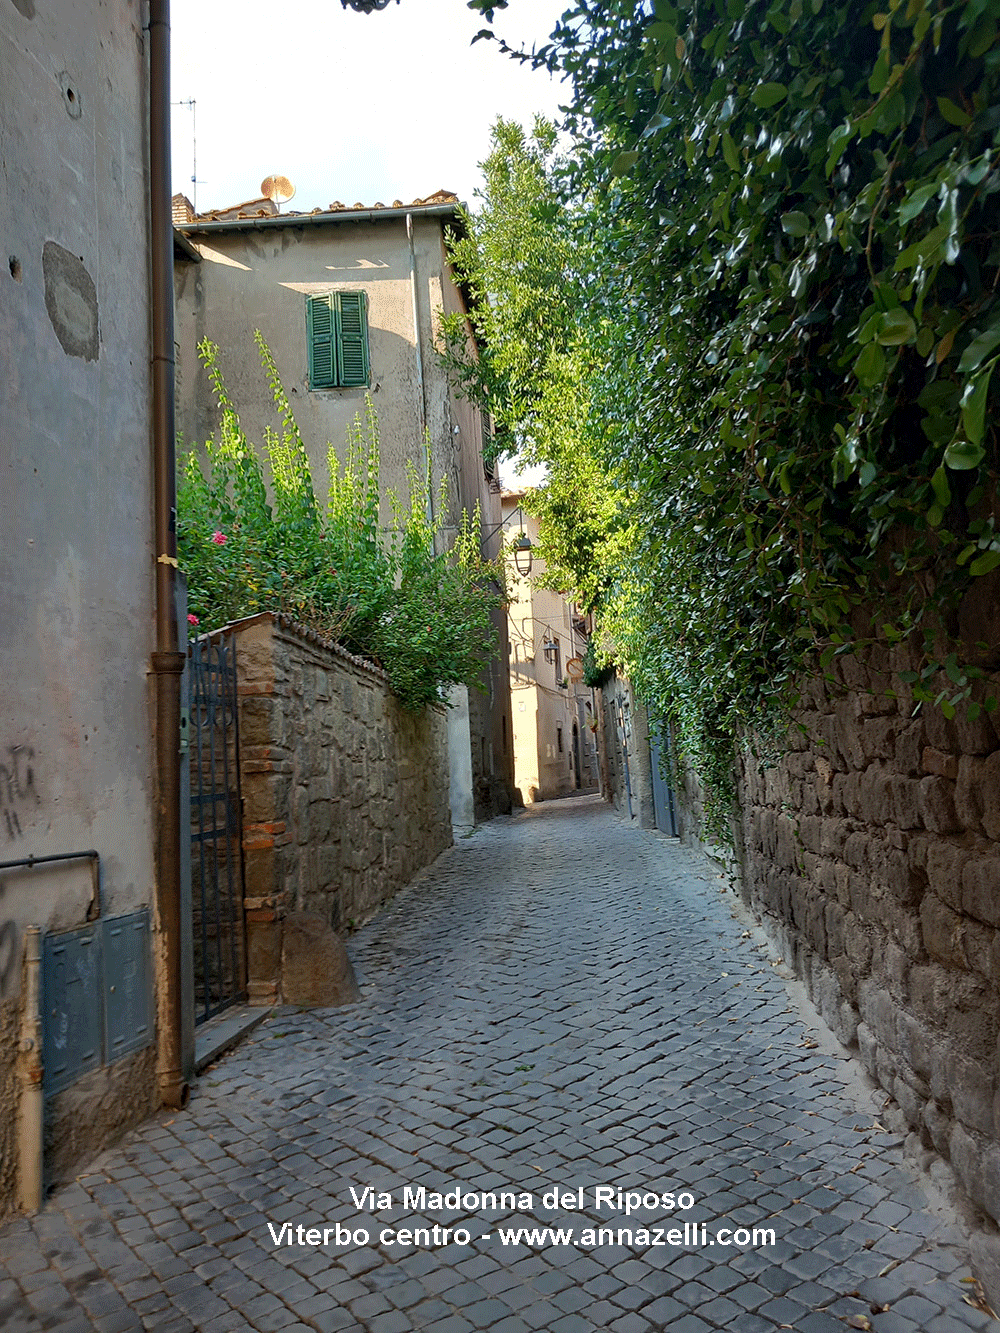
x,y
937,805
868,1048
905,809
263,953
810,833
878,1011
878,738
908,749
260,719
942,932
905,884
975,735
857,943
984,1250
834,928
938,1125
940,731
895,962
972,1092
989,796
910,1100
259,876
980,892
945,865
968,793
936,761
916,1046
315,969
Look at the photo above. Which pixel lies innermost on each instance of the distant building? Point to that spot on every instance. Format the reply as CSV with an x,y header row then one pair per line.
x,y
347,299
554,713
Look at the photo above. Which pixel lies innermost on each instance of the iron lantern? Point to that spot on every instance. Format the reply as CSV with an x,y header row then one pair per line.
x,y
366,6
522,554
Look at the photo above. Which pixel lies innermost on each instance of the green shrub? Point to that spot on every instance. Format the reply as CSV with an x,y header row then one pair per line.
x,y
390,596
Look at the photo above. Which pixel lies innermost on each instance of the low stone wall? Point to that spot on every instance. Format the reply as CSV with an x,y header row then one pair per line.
x,y
345,793
870,849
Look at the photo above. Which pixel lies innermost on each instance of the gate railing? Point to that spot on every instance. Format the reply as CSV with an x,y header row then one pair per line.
x,y
216,835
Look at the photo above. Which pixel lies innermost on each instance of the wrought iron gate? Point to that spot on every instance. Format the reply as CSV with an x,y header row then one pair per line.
x,y
216,836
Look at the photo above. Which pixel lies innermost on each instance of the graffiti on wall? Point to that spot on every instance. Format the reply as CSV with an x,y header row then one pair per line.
x,y
17,788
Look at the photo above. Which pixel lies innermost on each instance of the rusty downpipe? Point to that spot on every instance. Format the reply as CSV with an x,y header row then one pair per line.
x,y
167,660
31,1111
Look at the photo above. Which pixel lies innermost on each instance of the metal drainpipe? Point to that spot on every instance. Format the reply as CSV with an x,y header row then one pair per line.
x,y
31,1178
421,391
167,660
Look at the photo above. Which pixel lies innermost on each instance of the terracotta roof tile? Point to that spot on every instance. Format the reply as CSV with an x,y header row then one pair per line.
x,y
255,208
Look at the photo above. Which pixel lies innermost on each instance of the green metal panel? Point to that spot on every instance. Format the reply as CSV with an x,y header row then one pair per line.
x,y
128,1018
352,339
71,1004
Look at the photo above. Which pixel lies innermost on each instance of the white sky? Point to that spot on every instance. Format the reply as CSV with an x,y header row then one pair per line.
x,y
363,108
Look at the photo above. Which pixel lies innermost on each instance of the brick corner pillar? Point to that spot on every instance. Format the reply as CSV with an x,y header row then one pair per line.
x,y
265,778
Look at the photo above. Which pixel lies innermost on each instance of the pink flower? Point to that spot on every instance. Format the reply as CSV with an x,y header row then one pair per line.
x,y
219,538
193,620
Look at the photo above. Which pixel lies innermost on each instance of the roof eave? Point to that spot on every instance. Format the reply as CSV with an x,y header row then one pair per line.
x,y
321,219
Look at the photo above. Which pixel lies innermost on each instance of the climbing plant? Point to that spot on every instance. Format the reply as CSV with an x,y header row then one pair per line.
x,y
387,594
786,212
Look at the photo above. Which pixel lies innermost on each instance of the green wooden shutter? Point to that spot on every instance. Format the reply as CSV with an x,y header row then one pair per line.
x,y
319,324
352,338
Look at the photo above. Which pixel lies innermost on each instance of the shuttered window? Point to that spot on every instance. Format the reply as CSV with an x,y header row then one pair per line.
x,y
337,333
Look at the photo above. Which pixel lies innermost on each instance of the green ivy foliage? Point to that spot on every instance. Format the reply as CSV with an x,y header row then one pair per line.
x,y
786,219
422,614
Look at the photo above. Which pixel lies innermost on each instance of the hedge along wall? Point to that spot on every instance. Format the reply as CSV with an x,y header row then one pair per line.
x,y
345,793
870,850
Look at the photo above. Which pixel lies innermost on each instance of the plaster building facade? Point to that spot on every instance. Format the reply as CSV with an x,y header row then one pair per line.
x,y
555,716
349,301
77,762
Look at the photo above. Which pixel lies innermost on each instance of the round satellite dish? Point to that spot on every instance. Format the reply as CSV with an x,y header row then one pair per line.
x,y
279,189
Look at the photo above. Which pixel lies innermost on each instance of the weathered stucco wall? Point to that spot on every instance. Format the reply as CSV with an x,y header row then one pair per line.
x,y
345,793
76,558
871,849
251,279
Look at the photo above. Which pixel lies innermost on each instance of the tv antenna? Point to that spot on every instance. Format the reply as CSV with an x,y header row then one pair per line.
x,y
191,104
279,189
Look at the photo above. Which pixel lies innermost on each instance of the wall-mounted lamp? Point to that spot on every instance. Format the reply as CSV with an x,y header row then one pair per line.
x,y
366,6
522,543
551,650
522,554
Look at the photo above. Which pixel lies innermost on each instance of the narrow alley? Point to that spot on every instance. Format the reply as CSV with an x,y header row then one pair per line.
x,y
562,1002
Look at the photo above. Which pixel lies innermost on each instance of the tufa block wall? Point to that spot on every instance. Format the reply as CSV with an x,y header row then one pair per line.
x,y
870,849
345,793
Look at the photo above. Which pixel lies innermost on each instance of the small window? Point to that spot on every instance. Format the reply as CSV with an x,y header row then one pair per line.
x,y
337,332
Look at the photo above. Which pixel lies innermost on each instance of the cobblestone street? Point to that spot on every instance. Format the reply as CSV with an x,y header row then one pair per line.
x,y
562,1001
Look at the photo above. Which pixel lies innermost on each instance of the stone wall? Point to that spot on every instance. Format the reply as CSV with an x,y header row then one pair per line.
x,y
870,849
628,770
345,793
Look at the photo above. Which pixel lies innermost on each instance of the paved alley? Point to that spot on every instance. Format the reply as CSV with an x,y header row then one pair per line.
x,y
561,1003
